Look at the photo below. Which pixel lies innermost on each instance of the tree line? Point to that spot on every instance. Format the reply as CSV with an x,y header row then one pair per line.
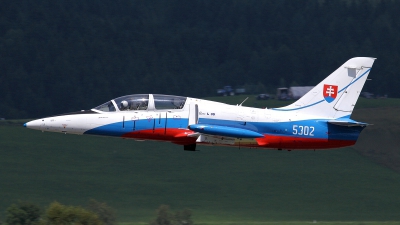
x,y
27,213
96,213
60,56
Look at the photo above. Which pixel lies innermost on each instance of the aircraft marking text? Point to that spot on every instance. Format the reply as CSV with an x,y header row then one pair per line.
x,y
303,130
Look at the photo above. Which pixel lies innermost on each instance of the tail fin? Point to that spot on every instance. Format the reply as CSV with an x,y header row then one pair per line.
x,y
337,94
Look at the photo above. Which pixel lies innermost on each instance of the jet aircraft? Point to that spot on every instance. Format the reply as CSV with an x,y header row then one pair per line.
x,y
318,120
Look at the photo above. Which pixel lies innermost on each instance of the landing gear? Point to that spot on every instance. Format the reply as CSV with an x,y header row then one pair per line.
x,y
191,147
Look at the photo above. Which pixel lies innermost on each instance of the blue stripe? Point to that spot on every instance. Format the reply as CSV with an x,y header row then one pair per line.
x,y
279,109
315,128
120,128
320,128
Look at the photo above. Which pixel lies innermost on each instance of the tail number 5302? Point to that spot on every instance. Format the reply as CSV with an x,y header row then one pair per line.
x,y
303,130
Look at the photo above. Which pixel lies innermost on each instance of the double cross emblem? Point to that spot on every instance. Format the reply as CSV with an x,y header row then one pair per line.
x,y
330,92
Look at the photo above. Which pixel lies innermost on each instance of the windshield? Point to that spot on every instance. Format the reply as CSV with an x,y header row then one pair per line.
x,y
106,107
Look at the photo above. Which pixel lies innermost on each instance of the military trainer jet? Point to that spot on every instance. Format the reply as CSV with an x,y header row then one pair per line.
x,y
318,120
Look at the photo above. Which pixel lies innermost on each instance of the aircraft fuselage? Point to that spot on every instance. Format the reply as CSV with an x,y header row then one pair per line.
x,y
318,120
279,130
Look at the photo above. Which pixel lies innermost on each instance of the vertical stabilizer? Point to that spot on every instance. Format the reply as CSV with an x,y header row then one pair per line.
x,y
337,94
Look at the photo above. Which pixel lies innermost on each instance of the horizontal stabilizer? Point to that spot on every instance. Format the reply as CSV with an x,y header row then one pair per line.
x,y
348,123
224,131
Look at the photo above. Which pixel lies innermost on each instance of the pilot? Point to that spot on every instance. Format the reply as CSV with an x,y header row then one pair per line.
x,y
124,105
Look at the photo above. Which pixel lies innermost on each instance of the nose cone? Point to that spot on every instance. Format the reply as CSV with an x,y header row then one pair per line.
x,y
34,124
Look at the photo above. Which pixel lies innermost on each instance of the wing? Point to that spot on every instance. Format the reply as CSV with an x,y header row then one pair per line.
x,y
348,123
224,131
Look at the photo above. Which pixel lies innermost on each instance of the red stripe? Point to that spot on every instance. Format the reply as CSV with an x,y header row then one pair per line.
x,y
180,136
287,142
174,135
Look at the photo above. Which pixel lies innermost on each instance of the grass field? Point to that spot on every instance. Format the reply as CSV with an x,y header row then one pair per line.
x,y
380,141
289,223
220,185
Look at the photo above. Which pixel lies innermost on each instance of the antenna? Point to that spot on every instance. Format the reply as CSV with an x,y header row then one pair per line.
x,y
243,101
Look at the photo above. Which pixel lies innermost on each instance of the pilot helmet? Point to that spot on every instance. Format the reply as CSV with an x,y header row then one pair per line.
x,y
124,104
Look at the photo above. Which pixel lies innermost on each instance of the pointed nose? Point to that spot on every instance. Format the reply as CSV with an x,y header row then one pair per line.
x,y
34,124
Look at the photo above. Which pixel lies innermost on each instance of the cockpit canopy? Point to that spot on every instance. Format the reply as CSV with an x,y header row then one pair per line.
x,y
132,102
143,102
